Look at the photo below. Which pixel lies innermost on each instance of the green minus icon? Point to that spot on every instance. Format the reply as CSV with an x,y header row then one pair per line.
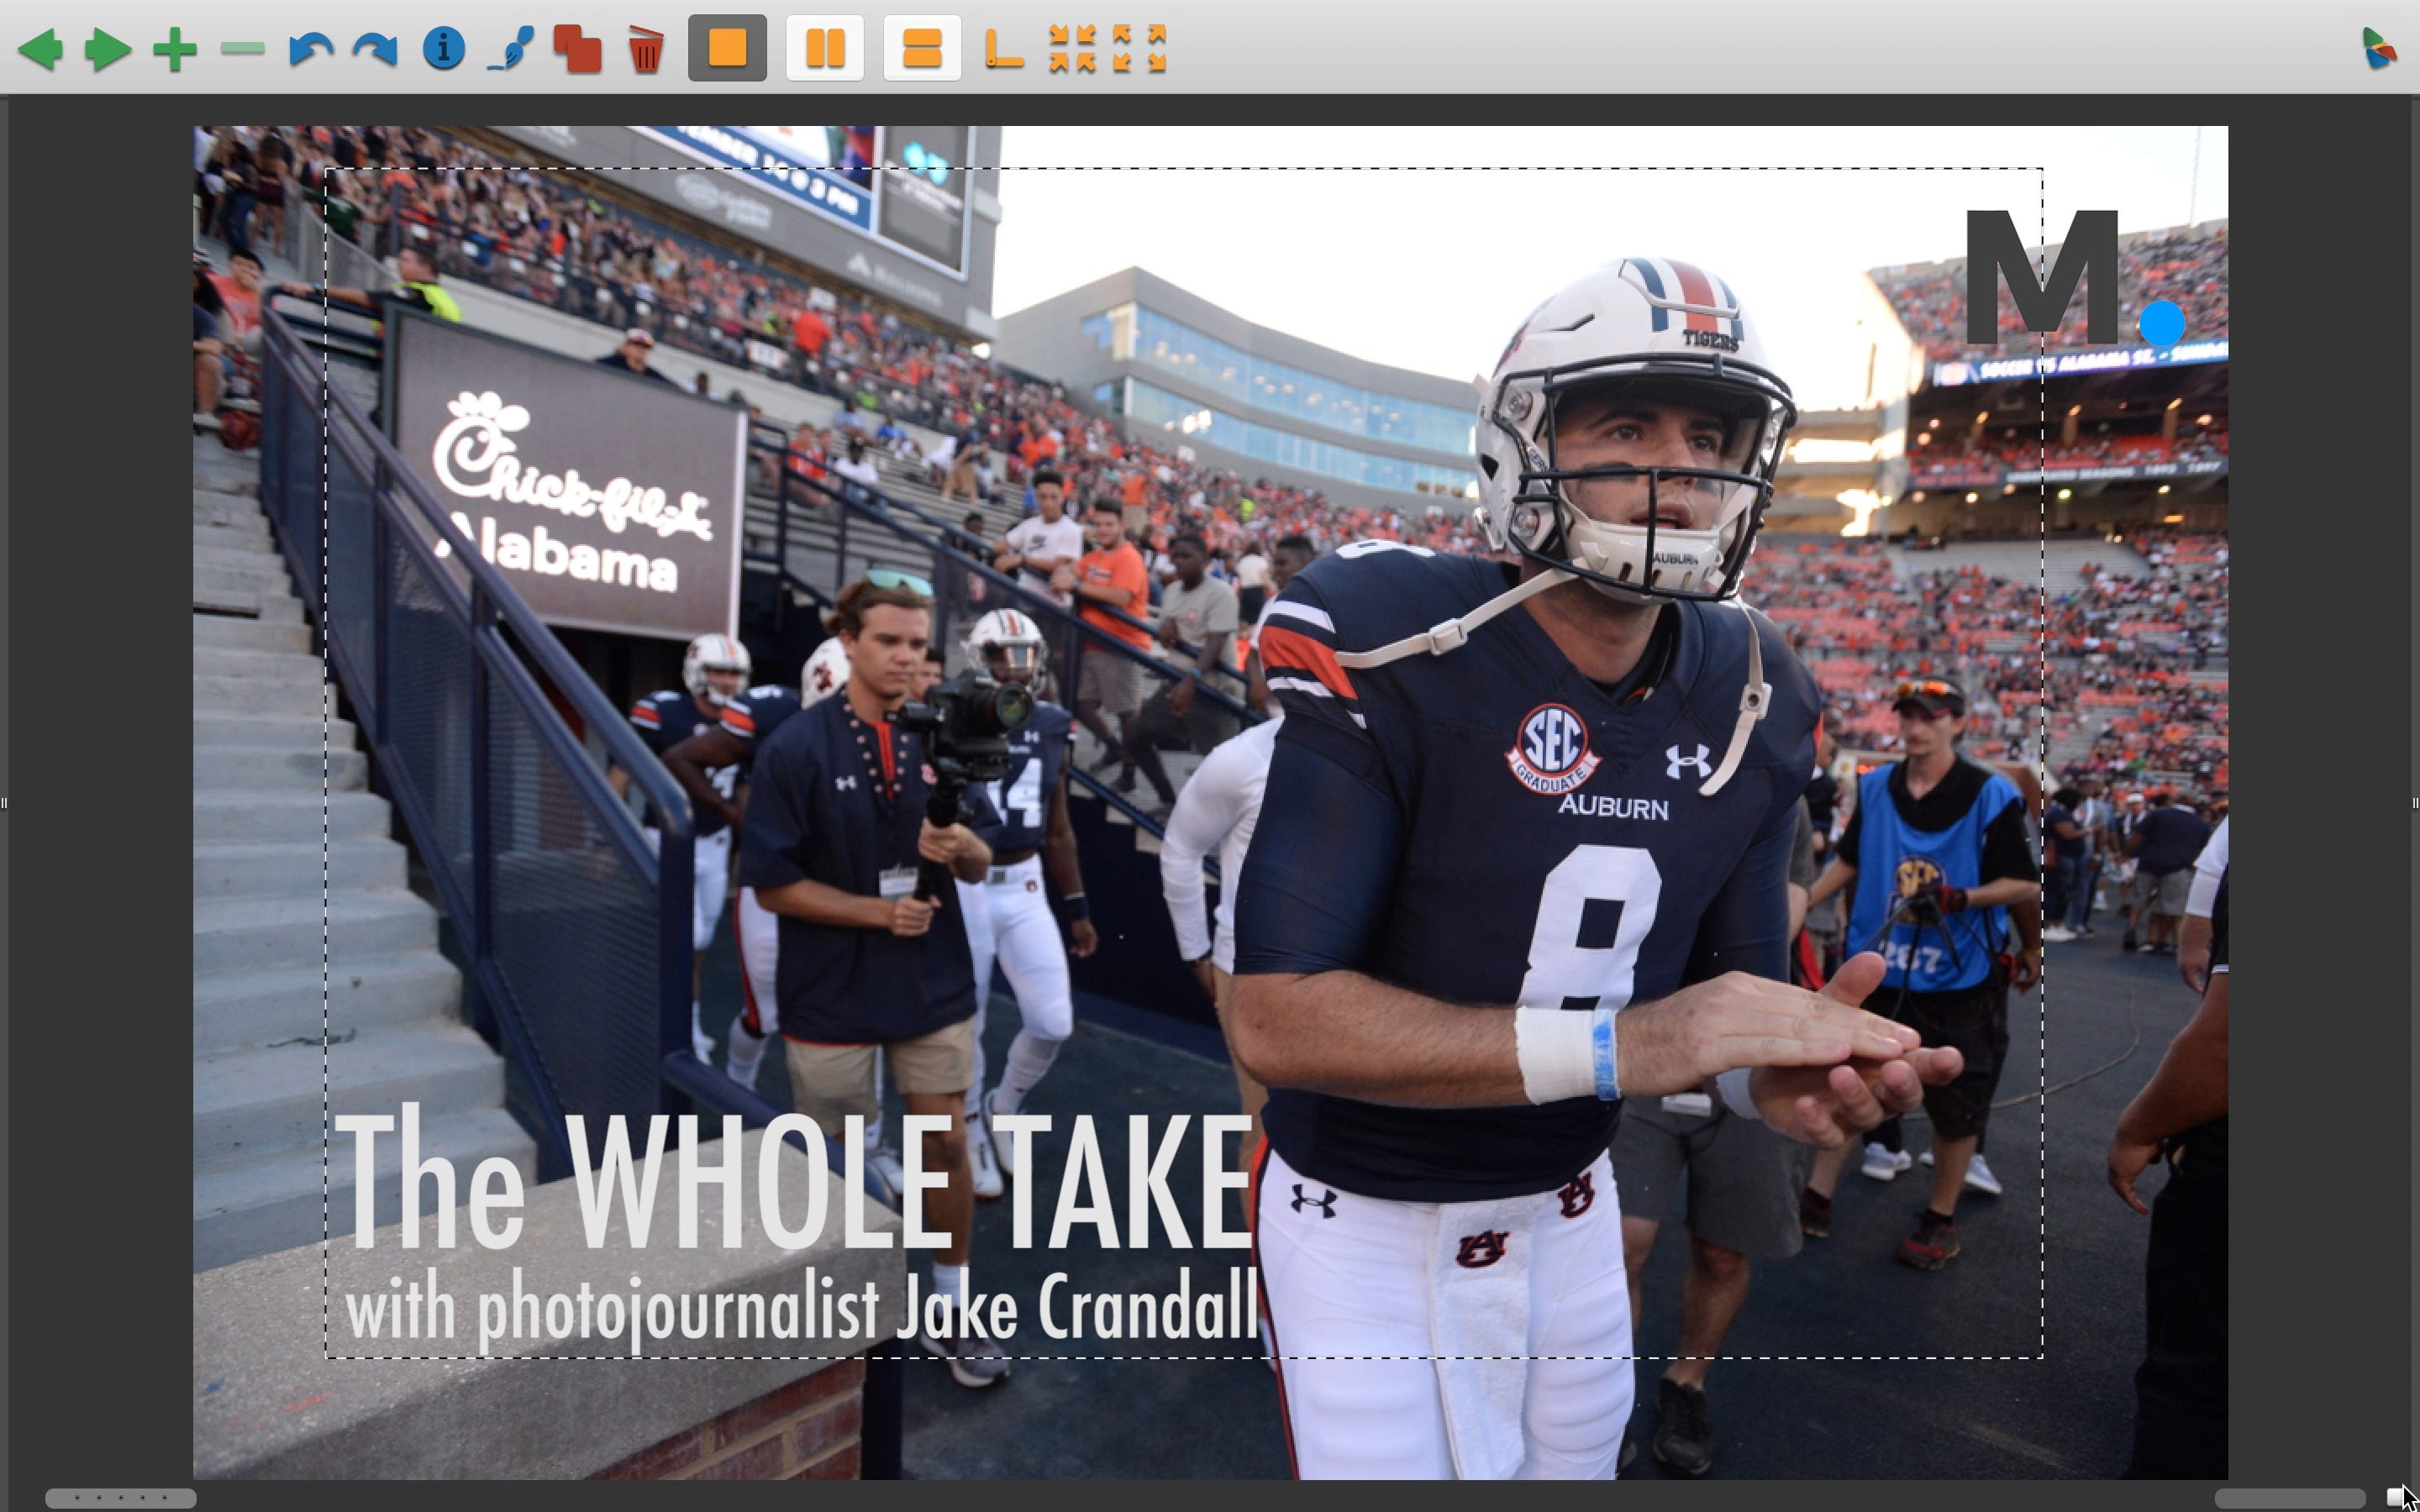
x,y
243,49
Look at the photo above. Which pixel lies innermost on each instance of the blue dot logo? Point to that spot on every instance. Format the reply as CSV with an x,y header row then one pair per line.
x,y
2161,324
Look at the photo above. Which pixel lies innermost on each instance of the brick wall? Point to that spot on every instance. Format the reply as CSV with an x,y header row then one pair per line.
x,y
806,1431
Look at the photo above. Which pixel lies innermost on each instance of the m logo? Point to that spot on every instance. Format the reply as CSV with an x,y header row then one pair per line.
x,y
1995,250
1481,1249
843,784
1326,1205
1551,756
1672,754
1580,1195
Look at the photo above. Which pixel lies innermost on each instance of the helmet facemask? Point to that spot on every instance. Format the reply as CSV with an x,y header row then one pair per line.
x,y
1639,533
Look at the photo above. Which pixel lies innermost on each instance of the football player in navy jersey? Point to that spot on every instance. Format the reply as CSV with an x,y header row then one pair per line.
x,y
1008,915
730,745
714,668
1512,867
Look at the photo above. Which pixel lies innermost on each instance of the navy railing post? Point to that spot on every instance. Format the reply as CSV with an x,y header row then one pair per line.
x,y
482,837
382,724
840,550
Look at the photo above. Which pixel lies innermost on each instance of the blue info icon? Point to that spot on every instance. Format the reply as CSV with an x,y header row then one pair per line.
x,y
441,47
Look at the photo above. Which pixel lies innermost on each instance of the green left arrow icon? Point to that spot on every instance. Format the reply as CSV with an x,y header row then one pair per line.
x,y
45,50
103,49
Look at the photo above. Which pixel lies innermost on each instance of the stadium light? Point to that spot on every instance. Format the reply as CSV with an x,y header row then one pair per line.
x,y
2172,519
1973,498
1984,416
2164,488
1916,498
2203,421
2008,488
2074,410
2066,493
2177,403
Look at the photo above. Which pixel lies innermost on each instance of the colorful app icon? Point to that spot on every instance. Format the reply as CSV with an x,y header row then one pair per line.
x,y
2375,46
514,49
581,54
824,49
727,49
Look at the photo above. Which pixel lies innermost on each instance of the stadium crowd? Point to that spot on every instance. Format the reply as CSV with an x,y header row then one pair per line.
x,y
2015,450
541,238
2186,266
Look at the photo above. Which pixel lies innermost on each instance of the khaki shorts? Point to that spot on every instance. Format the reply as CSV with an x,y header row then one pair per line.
x,y
1111,680
2167,894
830,1081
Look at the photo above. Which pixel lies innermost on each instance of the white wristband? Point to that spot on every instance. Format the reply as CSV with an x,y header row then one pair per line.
x,y
1565,1055
1733,1085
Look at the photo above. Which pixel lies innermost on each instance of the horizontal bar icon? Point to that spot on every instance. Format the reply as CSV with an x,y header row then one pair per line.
x,y
921,58
921,37
243,49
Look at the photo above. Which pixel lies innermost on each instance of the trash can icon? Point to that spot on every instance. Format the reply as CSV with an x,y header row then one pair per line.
x,y
647,50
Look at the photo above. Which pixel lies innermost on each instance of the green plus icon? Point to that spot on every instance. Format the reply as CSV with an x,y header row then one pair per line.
x,y
102,49
176,49
45,49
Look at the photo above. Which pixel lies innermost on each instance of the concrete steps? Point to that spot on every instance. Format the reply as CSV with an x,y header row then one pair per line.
x,y
256,1105
256,1009
226,632
278,1204
281,731
278,768
244,817
241,934
269,871
306,938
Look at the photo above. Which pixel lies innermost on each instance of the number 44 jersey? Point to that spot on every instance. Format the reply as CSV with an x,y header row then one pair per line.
x,y
1489,828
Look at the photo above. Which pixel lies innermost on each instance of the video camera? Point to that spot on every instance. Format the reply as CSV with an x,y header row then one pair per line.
x,y
966,722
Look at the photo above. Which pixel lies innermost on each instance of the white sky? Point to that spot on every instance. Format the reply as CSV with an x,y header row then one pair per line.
x,y
1434,270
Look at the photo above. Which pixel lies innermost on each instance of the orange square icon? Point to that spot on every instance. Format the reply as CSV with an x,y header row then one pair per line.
x,y
726,47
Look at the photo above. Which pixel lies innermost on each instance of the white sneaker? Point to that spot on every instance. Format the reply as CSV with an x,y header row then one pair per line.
x,y
1979,1175
1885,1165
2058,934
884,1163
699,1039
988,1186
1003,1148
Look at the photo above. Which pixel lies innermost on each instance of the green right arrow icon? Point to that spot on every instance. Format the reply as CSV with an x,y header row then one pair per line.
x,y
45,50
103,49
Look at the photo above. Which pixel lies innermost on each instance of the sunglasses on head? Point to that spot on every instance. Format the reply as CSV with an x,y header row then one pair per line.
x,y
1930,687
887,578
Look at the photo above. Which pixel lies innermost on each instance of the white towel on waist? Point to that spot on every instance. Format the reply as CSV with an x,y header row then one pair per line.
x,y
1479,1331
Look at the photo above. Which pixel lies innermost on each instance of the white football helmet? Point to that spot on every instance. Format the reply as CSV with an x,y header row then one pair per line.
x,y
826,673
1662,332
715,653
1014,632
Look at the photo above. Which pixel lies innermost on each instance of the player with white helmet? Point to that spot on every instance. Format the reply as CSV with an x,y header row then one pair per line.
x,y
1008,915
1455,960
714,668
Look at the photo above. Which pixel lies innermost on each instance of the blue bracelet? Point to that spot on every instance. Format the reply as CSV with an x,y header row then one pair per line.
x,y
1602,1042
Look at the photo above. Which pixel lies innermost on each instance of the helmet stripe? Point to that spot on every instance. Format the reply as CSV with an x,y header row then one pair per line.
x,y
1730,301
1653,279
1695,290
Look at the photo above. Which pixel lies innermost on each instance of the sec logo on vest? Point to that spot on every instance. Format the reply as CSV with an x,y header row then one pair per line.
x,y
1552,755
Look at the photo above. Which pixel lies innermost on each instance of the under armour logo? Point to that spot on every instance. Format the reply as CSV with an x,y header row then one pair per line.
x,y
1481,1249
1672,754
1326,1205
843,784
1579,1195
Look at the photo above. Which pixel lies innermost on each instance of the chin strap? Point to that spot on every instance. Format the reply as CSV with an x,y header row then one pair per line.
x,y
1754,699
1438,640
